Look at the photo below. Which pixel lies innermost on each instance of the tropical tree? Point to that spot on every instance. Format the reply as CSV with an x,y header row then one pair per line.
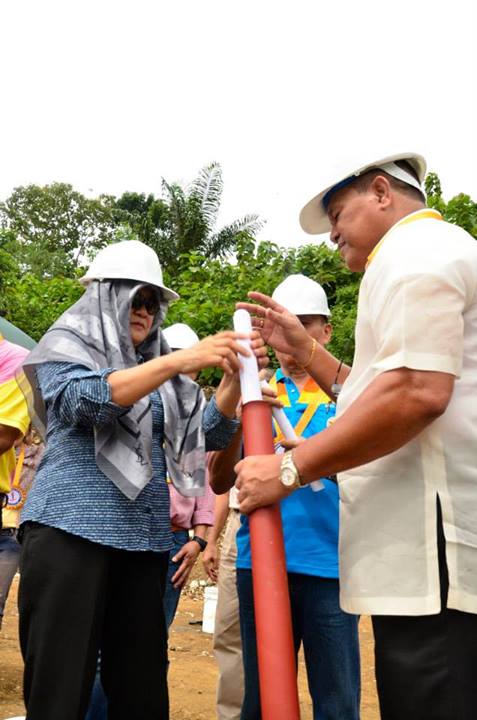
x,y
460,210
184,220
54,229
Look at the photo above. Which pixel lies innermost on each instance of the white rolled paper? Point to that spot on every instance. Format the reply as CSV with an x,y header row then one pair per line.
x,y
249,380
289,433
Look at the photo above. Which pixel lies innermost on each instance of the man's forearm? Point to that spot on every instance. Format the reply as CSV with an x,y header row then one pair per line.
x,y
393,410
221,512
221,465
324,368
200,530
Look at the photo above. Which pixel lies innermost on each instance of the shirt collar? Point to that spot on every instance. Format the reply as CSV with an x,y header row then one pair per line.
x,y
423,214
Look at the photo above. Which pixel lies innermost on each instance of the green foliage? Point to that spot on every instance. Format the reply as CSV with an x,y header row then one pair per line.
x,y
184,220
209,289
49,232
33,304
55,229
460,210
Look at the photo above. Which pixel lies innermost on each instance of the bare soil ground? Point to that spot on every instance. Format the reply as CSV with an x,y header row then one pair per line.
x,y
193,672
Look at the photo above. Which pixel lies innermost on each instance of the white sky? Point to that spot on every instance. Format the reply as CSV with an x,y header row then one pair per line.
x,y
112,95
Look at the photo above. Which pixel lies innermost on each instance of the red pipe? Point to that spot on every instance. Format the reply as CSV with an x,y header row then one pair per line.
x,y
276,653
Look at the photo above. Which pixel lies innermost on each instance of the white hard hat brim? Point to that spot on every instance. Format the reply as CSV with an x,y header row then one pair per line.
x,y
314,218
168,294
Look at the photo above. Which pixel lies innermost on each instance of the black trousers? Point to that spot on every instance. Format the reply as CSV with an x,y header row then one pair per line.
x,y
426,666
75,597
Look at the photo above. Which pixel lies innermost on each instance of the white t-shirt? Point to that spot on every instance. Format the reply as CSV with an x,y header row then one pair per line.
x,y
417,308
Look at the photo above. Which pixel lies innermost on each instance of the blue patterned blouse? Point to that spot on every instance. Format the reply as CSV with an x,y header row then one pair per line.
x,y
72,494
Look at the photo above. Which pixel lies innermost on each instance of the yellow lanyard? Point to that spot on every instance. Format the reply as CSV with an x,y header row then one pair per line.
x,y
311,394
18,468
421,215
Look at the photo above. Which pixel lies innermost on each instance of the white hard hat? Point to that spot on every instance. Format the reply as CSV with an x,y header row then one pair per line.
x,y
314,217
128,260
301,295
180,336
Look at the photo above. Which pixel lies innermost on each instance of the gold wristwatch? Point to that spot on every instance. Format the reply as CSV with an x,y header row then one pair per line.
x,y
289,476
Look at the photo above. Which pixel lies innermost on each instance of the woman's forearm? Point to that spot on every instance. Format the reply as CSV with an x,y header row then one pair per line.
x,y
130,385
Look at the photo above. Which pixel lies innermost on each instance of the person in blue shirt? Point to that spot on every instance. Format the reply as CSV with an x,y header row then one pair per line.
x,y
310,527
95,528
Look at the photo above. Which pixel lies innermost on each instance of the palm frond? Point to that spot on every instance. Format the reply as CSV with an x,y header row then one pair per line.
x,y
225,241
207,187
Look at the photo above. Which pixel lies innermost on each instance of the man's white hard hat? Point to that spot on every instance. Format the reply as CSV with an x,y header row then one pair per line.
x,y
128,260
301,295
180,336
314,218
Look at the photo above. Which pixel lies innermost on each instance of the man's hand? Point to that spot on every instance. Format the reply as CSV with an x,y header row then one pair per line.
x,y
278,327
210,561
289,444
187,556
258,482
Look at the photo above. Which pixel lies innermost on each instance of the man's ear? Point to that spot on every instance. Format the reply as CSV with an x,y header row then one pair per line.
x,y
381,188
327,333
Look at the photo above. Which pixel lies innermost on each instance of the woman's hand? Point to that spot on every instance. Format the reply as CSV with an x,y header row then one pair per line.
x,y
220,350
278,327
227,396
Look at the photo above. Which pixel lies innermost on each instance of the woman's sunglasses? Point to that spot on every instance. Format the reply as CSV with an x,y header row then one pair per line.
x,y
150,304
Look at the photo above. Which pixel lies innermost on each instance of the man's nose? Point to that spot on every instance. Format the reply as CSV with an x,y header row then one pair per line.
x,y
334,235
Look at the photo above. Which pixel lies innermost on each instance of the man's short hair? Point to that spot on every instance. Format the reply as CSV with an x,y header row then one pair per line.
x,y
362,183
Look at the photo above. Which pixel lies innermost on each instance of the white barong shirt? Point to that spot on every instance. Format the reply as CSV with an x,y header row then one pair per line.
x,y
417,309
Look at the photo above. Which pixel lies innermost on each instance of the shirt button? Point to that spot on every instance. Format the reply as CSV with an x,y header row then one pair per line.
x,y
147,510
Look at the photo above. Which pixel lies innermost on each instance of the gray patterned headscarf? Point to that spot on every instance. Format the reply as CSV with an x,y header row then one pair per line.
x,y
94,332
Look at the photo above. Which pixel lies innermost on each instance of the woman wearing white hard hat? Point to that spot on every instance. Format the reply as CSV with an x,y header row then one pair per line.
x,y
96,529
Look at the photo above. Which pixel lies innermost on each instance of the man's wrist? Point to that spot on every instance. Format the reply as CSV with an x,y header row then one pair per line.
x,y
200,542
305,352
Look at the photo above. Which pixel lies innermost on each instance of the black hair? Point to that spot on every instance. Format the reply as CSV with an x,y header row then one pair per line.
x,y
362,183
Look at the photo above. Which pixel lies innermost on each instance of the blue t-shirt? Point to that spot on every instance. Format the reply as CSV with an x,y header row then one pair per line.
x,y
309,518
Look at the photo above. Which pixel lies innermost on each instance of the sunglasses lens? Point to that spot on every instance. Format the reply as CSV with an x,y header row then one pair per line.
x,y
150,304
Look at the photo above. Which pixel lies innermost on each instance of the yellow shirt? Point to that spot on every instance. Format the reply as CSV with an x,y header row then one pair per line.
x,y
14,413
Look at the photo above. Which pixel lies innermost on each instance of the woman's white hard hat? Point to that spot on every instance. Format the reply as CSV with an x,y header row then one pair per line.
x,y
314,218
180,336
301,295
128,260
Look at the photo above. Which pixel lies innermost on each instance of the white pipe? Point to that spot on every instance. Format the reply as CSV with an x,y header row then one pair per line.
x,y
249,381
288,432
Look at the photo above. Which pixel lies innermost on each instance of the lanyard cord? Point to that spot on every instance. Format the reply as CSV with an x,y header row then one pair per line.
x,y
336,386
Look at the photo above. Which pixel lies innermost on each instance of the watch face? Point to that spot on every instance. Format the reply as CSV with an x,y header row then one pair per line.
x,y
288,477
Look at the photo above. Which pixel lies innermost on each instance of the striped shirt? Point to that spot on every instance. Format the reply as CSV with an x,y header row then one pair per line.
x,y
72,494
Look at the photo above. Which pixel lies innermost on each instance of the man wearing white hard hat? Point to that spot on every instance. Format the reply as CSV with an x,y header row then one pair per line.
x,y
404,443
328,635
95,529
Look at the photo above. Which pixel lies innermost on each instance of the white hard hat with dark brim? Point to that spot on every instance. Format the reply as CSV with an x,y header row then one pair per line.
x,y
314,217
128,260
